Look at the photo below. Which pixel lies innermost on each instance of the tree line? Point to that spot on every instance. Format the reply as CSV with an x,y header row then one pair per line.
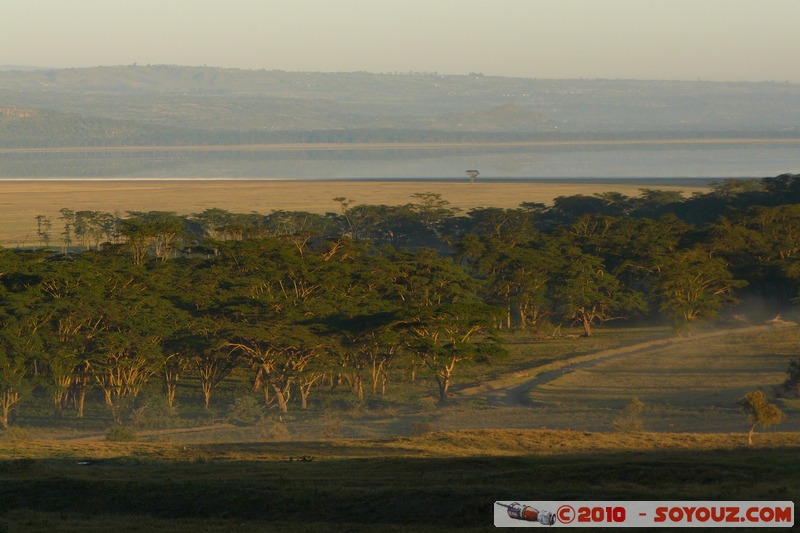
x,y
366,297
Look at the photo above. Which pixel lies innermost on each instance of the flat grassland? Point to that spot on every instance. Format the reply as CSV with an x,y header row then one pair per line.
x,y
22,200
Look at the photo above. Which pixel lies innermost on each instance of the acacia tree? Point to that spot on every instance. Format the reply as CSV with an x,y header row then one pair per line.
x,y
64,320
280,284
15,363
279,361
515,278
368,342
88,228
154,231
589,294
431,210
448,323
126,351
43,226
447,335
68,218
694,286
14,384
759,412
204,347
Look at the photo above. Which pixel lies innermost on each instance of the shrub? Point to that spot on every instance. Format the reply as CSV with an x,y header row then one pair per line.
x,y
421,428
245,411
120,433
630,420
791,387
153,413
14,434
276,432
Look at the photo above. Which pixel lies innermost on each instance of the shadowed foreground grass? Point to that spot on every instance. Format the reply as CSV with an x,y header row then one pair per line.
x,y
433,482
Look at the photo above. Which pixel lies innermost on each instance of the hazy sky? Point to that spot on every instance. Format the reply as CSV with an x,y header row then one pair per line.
x,y
750,40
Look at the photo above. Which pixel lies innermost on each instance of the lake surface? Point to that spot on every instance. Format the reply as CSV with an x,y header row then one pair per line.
x,y
727,159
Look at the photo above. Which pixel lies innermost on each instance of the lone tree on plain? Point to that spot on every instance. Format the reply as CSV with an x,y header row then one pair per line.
x,y
473,175
759,412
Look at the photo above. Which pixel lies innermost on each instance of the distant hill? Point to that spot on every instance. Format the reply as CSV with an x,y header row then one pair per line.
x,y
25,68
181,105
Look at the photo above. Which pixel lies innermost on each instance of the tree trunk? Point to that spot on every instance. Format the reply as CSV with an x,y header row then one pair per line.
x,y
305,385
58,405
206,393
171,378
81,400
266,394
304,398
379,376
8,399
443,380
282,401
587,326
358,385
80,385
750,435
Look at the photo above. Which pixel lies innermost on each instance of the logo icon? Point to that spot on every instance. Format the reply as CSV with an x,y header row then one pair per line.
x,y
527,513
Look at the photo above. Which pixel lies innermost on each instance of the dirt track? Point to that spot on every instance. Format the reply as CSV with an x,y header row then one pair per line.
x,y
501,393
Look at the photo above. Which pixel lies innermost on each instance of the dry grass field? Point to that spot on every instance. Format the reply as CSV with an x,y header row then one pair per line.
x,y
22,200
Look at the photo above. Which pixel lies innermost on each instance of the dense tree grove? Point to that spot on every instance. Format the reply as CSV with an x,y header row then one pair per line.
x,y
303,303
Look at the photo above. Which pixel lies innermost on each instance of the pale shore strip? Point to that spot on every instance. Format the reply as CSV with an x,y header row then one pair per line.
x,y
21,200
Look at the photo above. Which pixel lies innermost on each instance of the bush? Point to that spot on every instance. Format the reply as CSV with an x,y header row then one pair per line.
x,y
154,412
246,411
630,421
14,434
121,434
791,387
276,432
421,428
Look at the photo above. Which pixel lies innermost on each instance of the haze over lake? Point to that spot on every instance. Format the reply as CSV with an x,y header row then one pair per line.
x,y
728,160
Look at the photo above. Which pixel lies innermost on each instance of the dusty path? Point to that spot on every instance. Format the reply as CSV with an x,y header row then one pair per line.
x,y
148,434
510,392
